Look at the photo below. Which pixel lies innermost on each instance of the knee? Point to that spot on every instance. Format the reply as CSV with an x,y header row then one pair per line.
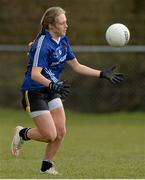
x,y
50,136
61,133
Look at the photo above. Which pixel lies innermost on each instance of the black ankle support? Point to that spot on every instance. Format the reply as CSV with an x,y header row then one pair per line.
x,y
46,165
23,134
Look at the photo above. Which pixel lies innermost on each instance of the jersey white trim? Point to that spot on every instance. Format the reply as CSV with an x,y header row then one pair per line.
x,y
57,41
51,74
36,56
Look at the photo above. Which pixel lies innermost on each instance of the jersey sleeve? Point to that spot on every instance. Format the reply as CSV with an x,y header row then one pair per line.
x,y
41,54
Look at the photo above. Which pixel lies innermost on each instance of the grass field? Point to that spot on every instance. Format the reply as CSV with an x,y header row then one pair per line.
x,y
96,146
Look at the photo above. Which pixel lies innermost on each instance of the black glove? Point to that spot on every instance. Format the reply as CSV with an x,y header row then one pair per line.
x,y
113,77
61,87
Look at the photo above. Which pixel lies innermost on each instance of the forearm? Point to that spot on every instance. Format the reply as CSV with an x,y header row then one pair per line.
x,y
40,79
84,70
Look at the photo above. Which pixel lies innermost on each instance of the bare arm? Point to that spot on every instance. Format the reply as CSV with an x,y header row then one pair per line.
x,y
62,88
82,69
38,77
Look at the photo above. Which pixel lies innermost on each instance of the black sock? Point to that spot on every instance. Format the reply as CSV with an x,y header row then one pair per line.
x,y
23,134
46,164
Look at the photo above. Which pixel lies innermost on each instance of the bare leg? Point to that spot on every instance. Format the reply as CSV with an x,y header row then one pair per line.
x,y
45,131
50,128
58,116
34,134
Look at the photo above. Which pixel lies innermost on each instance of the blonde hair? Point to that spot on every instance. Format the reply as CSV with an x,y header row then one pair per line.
x,y
50,15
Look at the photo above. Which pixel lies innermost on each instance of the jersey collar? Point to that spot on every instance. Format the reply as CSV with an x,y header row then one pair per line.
x,y
48,35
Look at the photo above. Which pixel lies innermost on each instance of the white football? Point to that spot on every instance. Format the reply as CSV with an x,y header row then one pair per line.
x,y
117,35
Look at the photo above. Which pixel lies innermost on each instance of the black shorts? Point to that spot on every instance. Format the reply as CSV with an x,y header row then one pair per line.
x,y
37,100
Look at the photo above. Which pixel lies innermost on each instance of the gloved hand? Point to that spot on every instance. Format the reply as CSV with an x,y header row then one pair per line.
x,y
61,87
113,77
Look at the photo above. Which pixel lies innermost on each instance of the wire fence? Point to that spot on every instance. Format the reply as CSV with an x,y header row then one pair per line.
x,y
88,94
80,48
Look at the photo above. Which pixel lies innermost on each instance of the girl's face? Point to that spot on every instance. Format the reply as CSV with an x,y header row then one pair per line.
x,y
60,26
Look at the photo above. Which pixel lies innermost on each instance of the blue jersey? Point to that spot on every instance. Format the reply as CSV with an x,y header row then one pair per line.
x,y
50,56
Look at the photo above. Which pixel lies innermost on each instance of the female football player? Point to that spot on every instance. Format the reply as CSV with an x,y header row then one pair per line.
x,y
42,89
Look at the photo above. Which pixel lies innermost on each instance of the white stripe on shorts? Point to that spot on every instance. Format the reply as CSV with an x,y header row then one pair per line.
x,y
53,104
37,113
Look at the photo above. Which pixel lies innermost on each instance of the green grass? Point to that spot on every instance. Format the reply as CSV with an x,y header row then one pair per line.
x,y
96,146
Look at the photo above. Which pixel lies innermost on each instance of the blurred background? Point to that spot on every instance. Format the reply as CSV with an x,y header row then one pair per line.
x,y
87,21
